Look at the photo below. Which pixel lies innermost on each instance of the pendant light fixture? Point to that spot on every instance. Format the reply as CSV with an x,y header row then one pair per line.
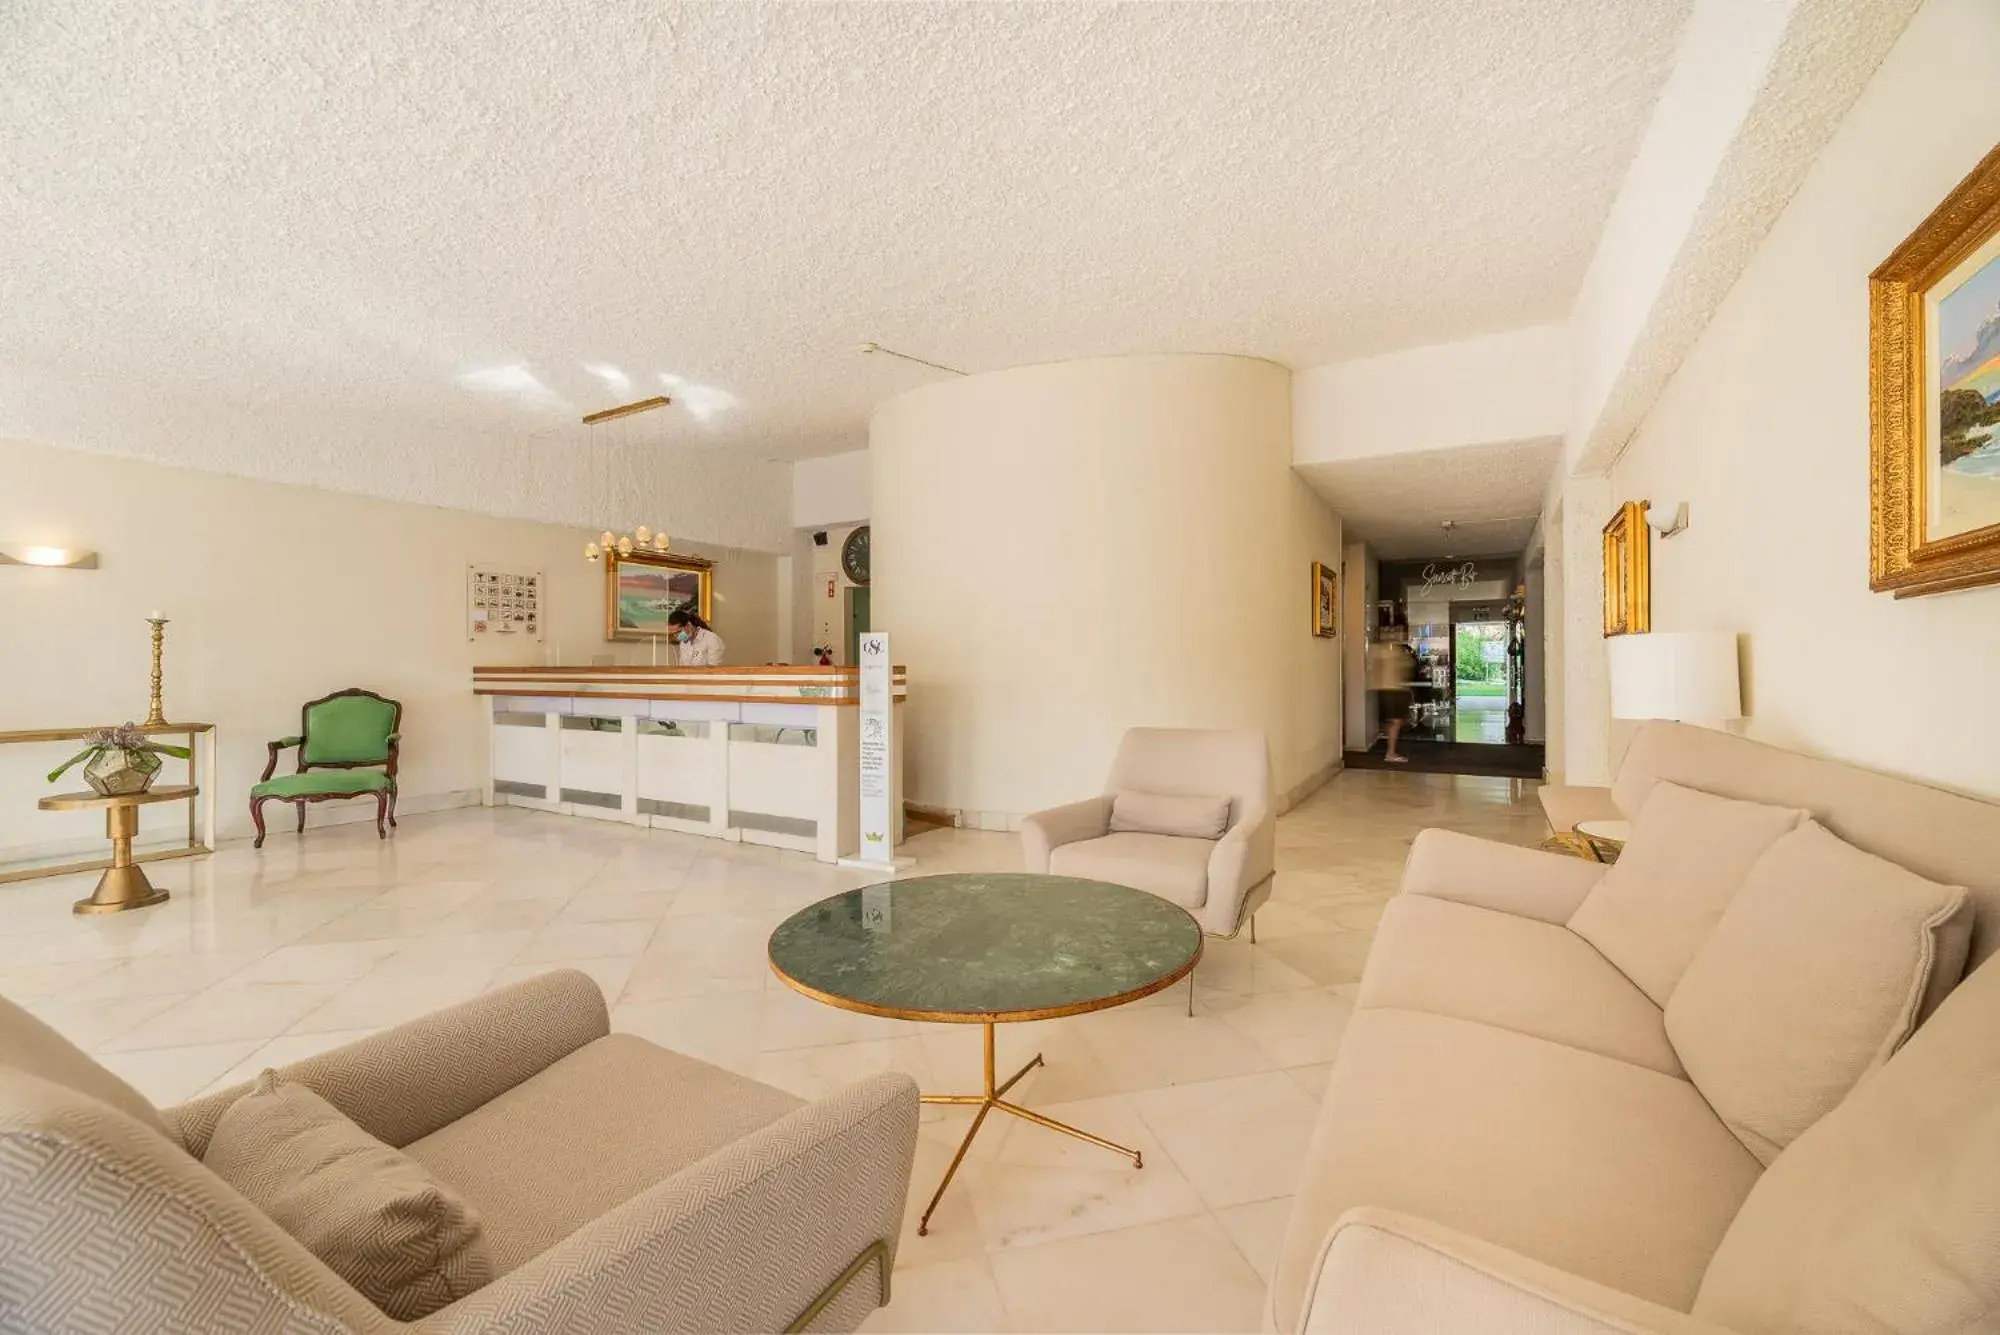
x,y
643,538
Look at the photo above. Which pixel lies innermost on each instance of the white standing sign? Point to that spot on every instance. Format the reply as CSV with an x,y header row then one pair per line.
x,y
878,752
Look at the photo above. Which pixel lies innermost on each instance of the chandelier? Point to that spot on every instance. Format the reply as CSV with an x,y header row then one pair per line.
x,y
640,539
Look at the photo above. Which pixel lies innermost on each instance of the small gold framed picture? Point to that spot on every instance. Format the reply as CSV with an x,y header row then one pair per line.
x,y
1326,601
1628,572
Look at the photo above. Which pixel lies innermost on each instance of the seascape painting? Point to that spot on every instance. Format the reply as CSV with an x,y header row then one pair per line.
x,y
642,591
1963,455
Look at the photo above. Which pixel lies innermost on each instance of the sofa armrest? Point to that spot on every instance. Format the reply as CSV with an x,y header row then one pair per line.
x,y
1046,831
744,1240
404,1083
1567,807
1244,858
1384,1273
1525,882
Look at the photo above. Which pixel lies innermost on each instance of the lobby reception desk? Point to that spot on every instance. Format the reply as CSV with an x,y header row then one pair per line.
x,y
764,755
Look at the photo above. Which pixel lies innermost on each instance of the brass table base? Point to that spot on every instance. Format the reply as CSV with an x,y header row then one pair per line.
x,y
123,884
986,1103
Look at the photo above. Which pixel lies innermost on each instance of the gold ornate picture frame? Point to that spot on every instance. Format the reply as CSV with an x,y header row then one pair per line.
x,y
1325,601
642,590
1934,398
1628,572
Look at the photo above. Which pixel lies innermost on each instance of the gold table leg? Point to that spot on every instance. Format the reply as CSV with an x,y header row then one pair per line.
x,y
991,1100
123,884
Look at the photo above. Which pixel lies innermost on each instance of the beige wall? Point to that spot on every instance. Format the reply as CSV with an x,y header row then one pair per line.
x,y
278,594
1764,431
1064,551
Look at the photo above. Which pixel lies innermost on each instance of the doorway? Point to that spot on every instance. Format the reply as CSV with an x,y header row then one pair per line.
x,y
857,622
1480,694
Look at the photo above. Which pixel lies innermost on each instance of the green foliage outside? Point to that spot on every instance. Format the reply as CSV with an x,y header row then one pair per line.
x,y
1960,413
1469,654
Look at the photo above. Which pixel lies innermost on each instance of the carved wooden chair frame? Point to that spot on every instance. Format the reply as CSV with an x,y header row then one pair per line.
x,y
385,798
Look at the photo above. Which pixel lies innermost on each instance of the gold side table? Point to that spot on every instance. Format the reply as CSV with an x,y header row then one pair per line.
x,y
123,884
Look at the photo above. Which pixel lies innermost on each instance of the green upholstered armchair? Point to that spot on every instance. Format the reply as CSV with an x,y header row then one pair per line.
x,y
347,746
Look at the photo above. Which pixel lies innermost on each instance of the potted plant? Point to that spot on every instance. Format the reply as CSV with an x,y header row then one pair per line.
x,y
120,760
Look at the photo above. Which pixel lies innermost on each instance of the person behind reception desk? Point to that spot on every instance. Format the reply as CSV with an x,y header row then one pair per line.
x,y
696,644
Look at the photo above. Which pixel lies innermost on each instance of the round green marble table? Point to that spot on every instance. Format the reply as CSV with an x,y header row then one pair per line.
x,y
987,948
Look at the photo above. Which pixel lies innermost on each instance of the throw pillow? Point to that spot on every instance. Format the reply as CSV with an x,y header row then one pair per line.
x,y
1814,976
1159,813
1880,1217
1688,853
377,1218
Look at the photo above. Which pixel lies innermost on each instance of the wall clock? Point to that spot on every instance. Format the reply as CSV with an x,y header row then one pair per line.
x,y
854,555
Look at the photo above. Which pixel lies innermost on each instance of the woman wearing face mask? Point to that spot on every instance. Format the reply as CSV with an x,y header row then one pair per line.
x,y
699,646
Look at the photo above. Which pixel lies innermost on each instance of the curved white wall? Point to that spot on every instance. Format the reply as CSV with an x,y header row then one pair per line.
x,y
1064,551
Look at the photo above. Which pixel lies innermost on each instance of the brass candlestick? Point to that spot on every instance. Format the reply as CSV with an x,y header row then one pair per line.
x,y
155,715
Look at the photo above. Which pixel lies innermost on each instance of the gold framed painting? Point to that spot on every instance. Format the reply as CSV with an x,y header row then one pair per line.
x,y
642,590
1628,572
1325,601
1934,398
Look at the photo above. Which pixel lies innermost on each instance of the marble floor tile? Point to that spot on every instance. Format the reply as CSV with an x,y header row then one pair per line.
x,y
941,1298
1290,1028
610,975
1257,1228
1312,1079
225,1012
283,1051
1238,1140
1180,1275
1040,1185
264,958
174,1075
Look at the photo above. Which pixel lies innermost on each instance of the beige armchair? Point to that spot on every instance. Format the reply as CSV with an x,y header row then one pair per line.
x,y
622,1187
1222,882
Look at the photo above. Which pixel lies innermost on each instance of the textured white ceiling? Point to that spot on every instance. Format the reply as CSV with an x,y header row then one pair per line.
x,y
1397,503
450,224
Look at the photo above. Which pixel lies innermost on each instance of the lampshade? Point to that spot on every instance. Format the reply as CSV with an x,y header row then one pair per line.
x,y
1688,675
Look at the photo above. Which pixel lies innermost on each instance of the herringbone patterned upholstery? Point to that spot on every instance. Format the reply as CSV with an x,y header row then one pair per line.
x,y
407,1241
404,1083
107,1226
533,1161
741,1241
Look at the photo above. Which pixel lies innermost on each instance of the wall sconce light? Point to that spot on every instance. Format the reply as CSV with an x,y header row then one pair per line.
x,y
1667,526
58,558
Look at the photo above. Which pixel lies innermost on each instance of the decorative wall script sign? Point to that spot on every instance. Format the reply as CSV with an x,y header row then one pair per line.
x,y
1461,576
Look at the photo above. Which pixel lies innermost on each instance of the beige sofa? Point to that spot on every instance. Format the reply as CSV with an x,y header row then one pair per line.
x,y
622,1187
1509,1142
1222,882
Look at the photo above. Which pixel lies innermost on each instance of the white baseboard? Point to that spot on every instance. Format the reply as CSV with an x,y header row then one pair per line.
x,y
357,812
1311,784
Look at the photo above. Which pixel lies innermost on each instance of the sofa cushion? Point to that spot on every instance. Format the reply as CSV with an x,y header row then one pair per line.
x,y
1174,869
1688,853
1812,979
27,1044
404,1240
1514,973
1613,1172
1880,1218
1163,813
589,1133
